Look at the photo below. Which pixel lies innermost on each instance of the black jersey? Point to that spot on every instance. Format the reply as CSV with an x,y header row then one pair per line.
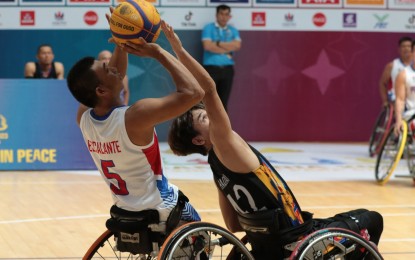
x,y
259,190
39,75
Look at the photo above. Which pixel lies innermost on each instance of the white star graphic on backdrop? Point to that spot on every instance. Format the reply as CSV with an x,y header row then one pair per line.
x,y
323,72
273,71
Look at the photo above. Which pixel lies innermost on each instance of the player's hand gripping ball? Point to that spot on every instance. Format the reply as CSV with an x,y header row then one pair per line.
x,y
133,19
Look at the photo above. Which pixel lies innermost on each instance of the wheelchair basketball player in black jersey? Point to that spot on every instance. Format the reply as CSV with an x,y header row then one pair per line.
x,y
253,197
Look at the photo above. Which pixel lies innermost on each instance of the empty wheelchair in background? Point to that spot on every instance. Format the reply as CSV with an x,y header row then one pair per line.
x,y
381,129
392,151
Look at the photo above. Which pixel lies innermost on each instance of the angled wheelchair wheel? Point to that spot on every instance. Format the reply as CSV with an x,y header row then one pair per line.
x,y
105,248
410,155
390,154
335,243
380,130
202,240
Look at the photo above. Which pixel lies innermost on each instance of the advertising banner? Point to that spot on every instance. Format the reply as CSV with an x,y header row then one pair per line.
x,y
8,2
370,4
38,129
41,2
90,2
401,4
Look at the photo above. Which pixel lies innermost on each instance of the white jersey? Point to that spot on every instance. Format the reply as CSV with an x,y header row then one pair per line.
x,y
133,173
397,66
410,92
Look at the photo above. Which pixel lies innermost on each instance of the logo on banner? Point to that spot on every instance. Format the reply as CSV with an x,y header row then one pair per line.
x,y
381,24
289,20
319,19
59,18
411,22
3,127
188,20
27,17
258,18
90,18
349,20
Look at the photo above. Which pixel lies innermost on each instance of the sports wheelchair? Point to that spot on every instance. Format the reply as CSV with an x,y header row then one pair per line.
x,y
139,236
393,150
383,123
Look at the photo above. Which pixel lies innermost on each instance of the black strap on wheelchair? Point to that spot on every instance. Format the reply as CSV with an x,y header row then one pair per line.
x,y
132,221
348,219
176,213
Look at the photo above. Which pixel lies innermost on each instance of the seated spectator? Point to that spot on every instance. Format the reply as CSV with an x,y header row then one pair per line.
x,y
45,67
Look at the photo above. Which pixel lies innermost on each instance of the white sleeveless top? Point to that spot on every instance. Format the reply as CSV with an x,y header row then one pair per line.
x,y
397,66
410,92
133,173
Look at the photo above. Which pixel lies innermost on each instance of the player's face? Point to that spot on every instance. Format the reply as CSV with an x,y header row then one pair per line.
x,y
201,122
222,17
108,76
45,55
405,49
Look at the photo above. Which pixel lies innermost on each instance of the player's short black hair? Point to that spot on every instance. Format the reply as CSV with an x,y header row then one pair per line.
x,y
182,132
43,45
82,82
404,39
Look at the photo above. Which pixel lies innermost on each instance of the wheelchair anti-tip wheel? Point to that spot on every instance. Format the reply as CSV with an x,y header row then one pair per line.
x,y
380,130
201,240
334,243
390,154
105,248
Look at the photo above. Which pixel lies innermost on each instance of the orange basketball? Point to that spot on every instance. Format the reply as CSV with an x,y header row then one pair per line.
x,y
133,19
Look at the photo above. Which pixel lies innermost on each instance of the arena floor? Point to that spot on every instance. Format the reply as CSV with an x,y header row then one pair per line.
x,y
57,215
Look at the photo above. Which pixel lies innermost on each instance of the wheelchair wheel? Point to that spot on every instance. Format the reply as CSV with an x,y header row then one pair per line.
x,y
201,240
334,243
380,130
105,248
390,154
410,155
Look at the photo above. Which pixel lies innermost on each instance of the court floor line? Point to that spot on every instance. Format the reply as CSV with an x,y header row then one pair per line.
x,y
17,221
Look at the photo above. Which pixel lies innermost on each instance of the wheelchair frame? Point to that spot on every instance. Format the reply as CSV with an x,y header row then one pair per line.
x,y
381,129
193,239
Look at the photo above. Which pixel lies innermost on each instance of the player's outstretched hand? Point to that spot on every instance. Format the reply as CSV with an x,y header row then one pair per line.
x,y
142,49
171,36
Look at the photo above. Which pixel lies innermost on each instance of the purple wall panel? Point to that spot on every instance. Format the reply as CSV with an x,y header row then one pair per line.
x,y
309,86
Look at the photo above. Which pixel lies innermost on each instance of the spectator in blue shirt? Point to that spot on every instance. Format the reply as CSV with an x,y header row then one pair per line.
x,y
220,41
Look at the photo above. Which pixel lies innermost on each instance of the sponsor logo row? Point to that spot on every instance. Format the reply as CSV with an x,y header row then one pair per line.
x,y
28,18
319,19
195,20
